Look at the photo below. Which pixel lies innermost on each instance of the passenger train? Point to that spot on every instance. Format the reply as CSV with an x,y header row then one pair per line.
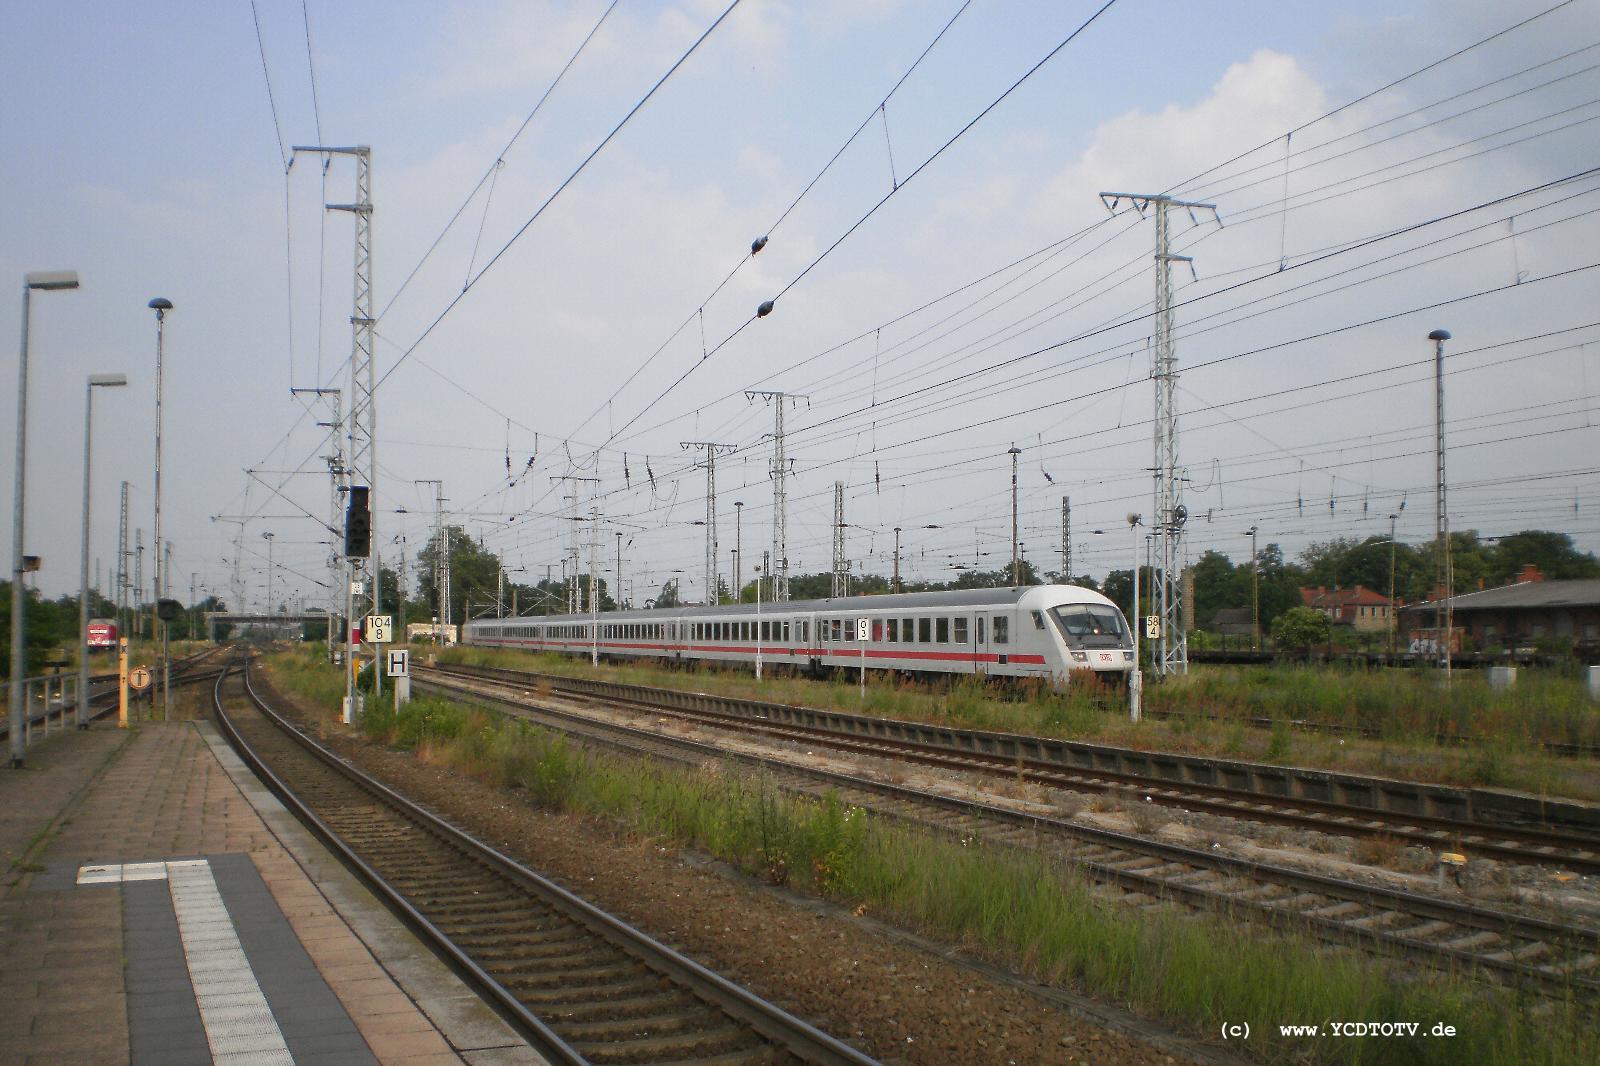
x,y
1040,631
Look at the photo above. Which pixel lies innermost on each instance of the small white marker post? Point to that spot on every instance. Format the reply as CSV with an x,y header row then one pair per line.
x,y
863,634
398,666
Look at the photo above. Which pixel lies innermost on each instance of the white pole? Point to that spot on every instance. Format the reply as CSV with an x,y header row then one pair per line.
x,y
1135,679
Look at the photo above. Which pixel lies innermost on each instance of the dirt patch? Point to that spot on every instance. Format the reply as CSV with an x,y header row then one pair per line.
x,y
838,971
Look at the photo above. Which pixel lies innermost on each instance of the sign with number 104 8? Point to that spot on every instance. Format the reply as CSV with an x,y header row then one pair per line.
x,y
379,629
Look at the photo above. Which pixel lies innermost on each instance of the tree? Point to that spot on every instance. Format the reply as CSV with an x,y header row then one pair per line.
x,y
1301,627
474,571
1557,558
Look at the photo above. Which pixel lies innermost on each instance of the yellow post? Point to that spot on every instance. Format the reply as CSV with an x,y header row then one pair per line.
x,y
122,683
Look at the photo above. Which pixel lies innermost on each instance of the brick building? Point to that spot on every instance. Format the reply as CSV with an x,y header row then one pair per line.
x,y
1367,611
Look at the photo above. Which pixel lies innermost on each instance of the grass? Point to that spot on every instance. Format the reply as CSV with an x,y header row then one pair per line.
x,y
1503,731
1028,911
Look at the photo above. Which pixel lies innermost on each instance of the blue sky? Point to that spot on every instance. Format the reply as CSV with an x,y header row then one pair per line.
x,y
145,156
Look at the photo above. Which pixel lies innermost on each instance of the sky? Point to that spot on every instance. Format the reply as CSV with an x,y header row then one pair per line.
x,y
947,282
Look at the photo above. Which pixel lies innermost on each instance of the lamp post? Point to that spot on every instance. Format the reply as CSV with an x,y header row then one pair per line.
x,y
1135,679
160,305
268,538
1443,605
738,549
1255,592
1393,616
46,281
109,381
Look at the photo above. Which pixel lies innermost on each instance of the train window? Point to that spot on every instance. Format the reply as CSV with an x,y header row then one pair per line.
x,y
785,637
1038,619
1002,629
908,631
877,630
942,631
961,630
894,630
924,631
837,626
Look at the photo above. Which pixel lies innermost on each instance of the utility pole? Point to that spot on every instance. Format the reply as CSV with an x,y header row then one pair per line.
x,y
441,557
573,562
1443,606
840,581
1171,648
122,565
138,580
711,511
336,487
779,570
1016,578
594,586
1393,614
616,593
897,558
362,424
1066,540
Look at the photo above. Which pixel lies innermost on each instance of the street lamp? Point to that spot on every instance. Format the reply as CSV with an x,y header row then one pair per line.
x,y
738,548
1394,619
1255,592
110,381
268,538
46,281
1443,605
160,305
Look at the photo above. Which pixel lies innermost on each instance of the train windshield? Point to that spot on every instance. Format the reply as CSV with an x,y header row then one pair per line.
x,y
1092,624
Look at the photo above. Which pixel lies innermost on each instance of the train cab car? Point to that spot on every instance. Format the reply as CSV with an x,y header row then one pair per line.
x,y
102,633
1041,631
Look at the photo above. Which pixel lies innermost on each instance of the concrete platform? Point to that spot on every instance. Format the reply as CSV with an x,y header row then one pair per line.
x,y
160,906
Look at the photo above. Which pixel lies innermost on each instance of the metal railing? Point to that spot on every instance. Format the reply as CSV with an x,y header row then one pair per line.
x,y
46,697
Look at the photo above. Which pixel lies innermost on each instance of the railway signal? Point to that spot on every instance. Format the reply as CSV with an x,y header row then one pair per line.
x,y
357,524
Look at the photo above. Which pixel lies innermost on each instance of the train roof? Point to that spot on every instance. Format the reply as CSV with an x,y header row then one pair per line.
x,y
990,597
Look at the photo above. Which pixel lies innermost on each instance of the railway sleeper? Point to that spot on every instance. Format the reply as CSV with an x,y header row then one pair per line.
x,y
557,995
730,1040
575,957
1533,949
686,1019
645,1005
599,973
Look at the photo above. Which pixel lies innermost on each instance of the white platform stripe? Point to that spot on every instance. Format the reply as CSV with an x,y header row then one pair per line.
x,y
238,1023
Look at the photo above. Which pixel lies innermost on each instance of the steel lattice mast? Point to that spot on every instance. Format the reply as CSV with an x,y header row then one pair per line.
x,y
779,568
1171,649
711,511
840,586
361,462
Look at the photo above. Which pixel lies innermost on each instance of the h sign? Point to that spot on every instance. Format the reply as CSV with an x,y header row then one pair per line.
x,y
863,629
399,663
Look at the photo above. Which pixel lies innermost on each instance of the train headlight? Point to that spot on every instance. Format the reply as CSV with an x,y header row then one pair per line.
x,y
1080,656
1127,656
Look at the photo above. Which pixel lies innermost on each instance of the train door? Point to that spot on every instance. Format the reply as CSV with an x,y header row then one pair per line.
x,y
980,643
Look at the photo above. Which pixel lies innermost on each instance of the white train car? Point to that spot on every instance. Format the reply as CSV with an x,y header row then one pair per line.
x,y
1043,631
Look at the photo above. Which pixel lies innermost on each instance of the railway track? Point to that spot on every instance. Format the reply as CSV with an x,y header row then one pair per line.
x,y
1338,729
580,983
1551,957
970,751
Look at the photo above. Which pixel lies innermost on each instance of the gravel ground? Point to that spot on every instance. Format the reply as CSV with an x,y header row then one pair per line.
x,y
875,987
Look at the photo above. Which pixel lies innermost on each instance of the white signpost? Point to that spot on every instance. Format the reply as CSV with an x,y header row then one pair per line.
x,y
379,629
397,663
1152,627
863,634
